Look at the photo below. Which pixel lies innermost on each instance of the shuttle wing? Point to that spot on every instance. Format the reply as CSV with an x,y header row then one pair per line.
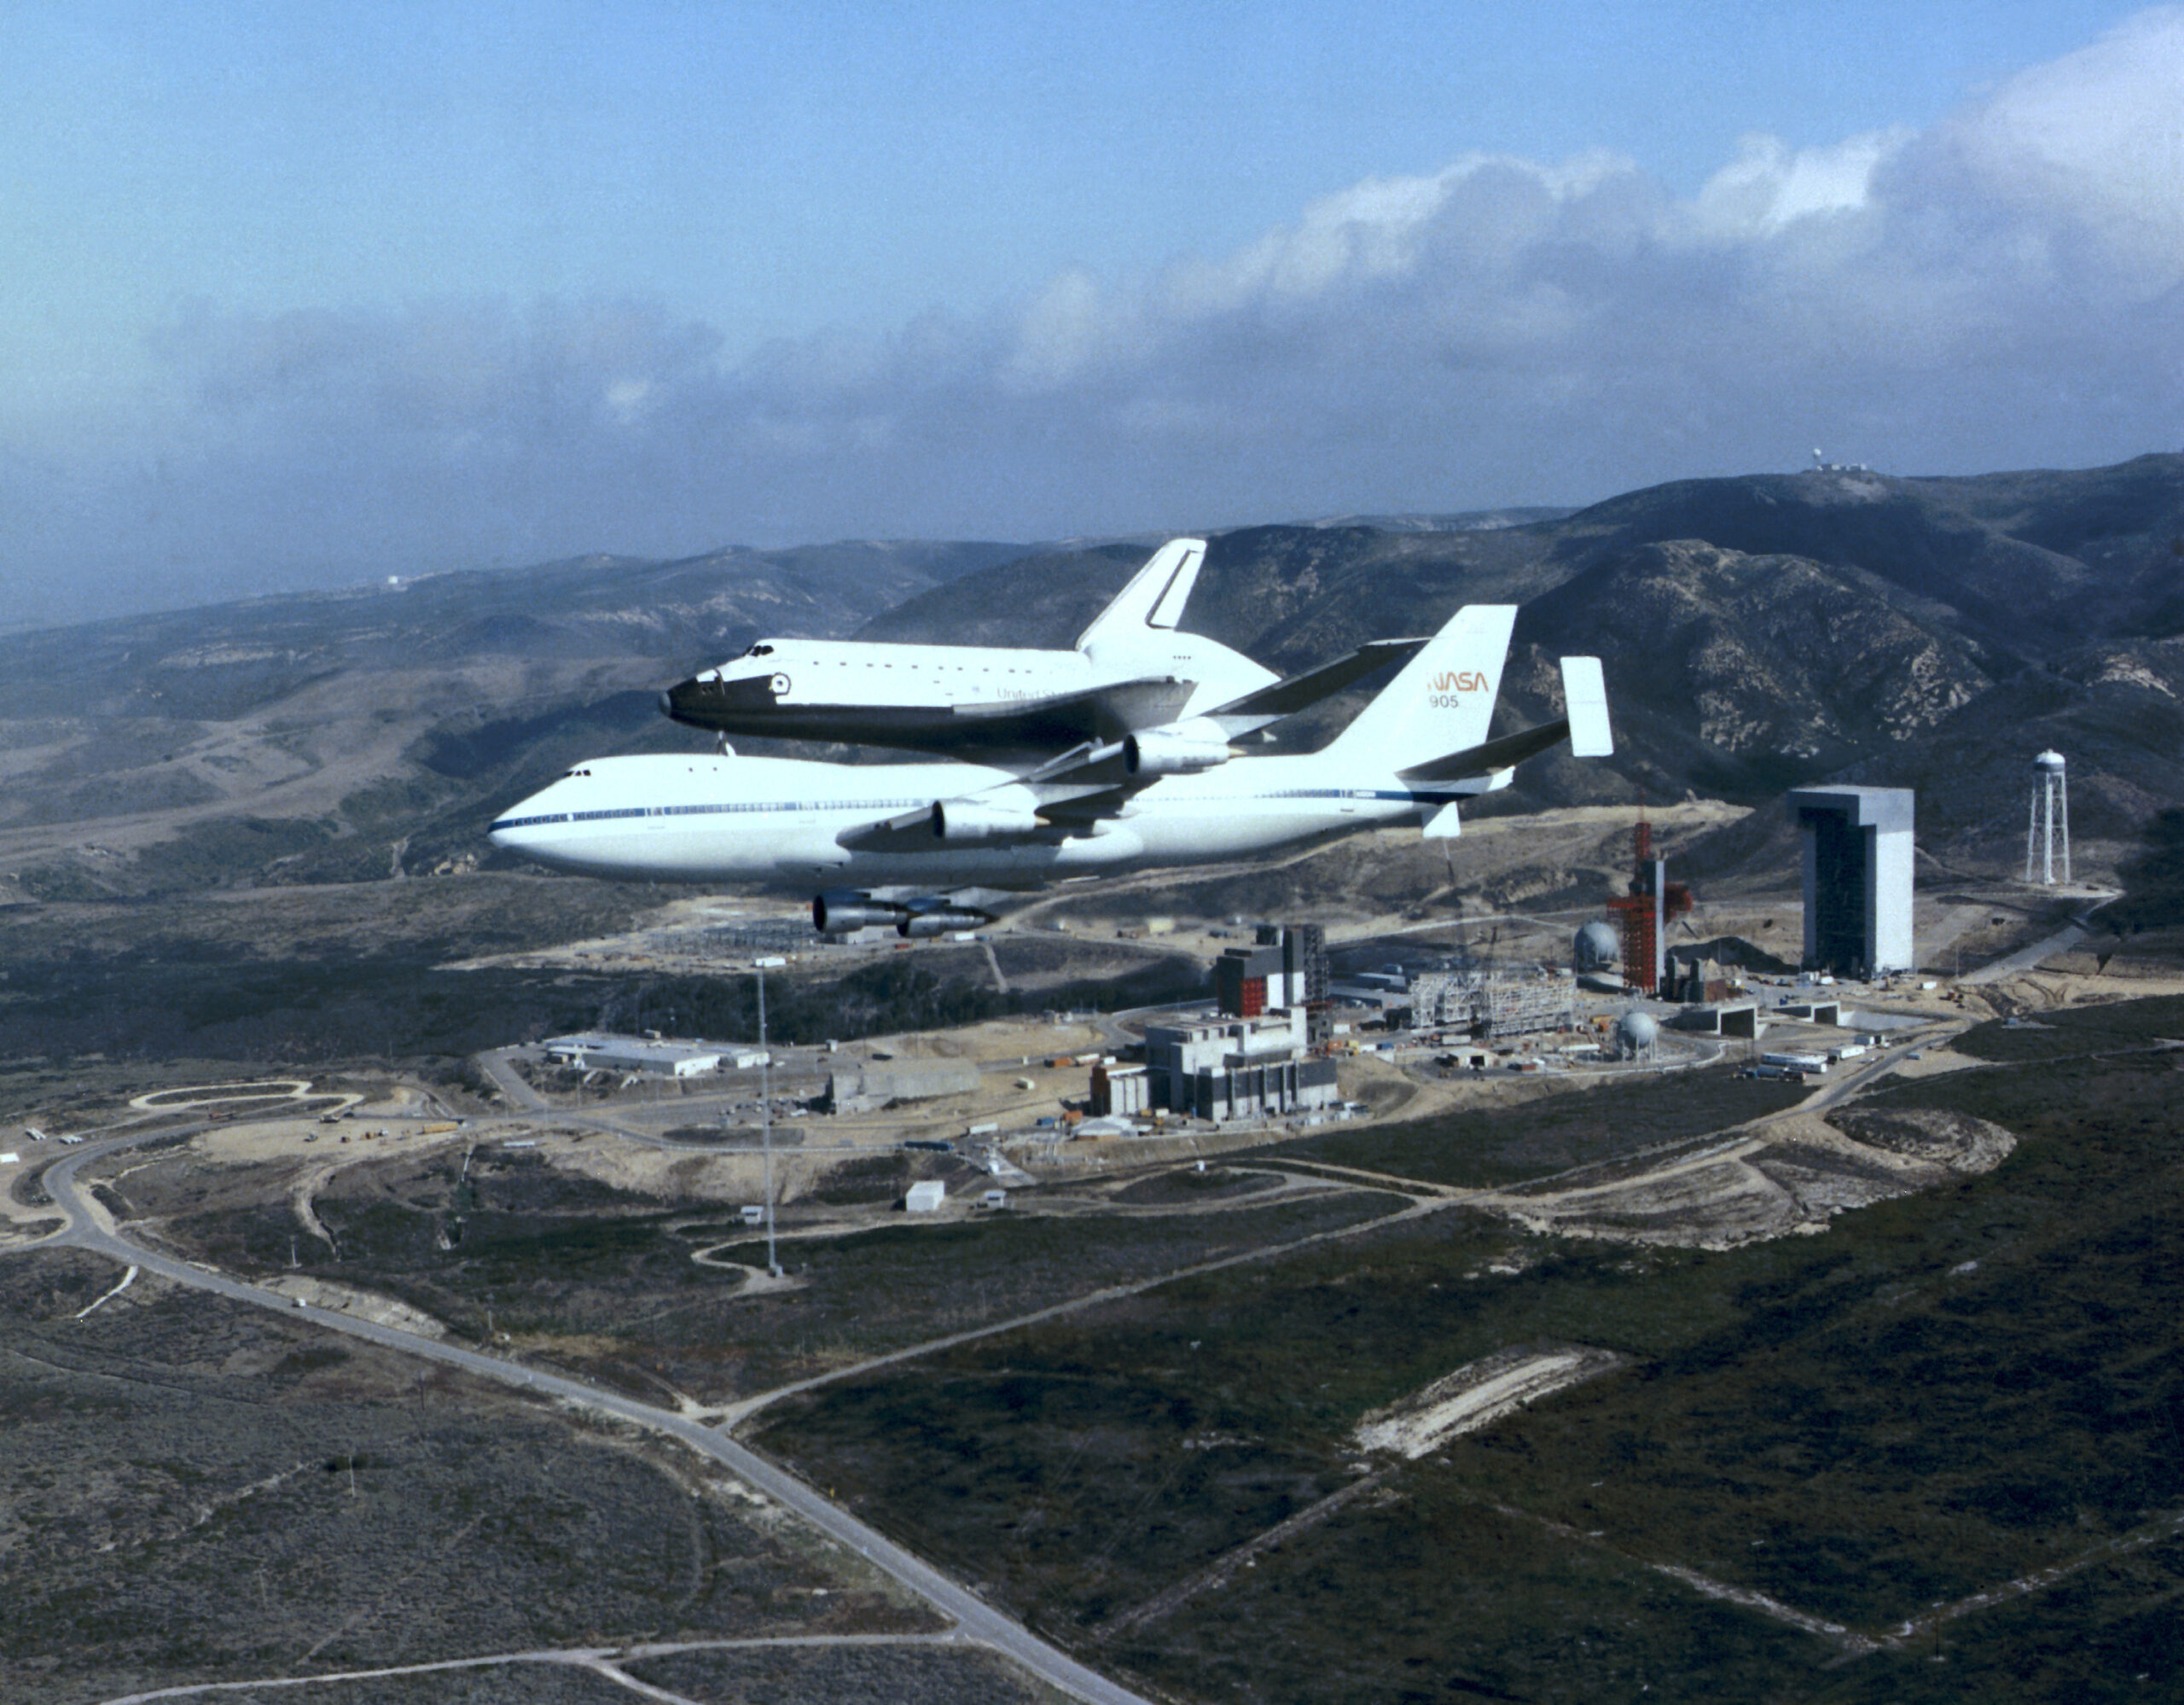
x,y
1287,697
1102,715
1071,719
1035,727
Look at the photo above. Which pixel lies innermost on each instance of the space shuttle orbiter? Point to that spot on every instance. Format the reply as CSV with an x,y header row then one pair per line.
x,y
1133,671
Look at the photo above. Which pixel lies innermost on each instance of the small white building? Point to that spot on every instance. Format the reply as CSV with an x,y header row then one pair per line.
x,y
926,1197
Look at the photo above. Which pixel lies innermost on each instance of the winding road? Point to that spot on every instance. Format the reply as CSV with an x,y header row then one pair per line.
x,y
90,1227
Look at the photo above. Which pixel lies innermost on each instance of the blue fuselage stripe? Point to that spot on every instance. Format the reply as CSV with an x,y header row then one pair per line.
x,y
1396,795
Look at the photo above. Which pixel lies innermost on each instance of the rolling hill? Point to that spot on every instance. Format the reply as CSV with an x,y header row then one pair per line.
x,y
1759,632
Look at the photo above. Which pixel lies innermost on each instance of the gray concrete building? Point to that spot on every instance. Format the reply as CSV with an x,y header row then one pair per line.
x,y
1857,878
1238,1069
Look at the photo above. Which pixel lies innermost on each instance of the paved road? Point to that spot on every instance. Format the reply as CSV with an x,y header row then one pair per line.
x,y
605,1662
90,1227
735,1414
497,1066
2028,958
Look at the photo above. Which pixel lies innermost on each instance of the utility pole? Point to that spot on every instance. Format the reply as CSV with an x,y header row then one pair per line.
x,y
766,1123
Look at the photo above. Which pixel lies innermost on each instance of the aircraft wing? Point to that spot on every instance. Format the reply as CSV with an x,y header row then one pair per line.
x,y
909,832
1279,699
1586,728
1080,805
1025,729
1495,754
1066,720
1091,782
1102,715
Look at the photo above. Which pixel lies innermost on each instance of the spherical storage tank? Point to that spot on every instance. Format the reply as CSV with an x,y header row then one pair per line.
x,y
1596,946
1635,1033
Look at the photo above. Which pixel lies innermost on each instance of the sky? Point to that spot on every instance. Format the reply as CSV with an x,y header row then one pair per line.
x,y
300,295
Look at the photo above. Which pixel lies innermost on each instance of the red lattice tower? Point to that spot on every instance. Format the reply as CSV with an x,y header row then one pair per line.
x,y
1642,914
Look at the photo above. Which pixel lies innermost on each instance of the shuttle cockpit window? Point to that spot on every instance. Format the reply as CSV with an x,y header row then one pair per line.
x,y
761,649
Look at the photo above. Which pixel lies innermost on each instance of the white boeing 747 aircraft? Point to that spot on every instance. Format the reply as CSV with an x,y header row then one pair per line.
x,y
882,843
1132,669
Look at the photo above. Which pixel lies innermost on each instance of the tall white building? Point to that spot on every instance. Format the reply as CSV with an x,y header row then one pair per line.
x,y
1857,878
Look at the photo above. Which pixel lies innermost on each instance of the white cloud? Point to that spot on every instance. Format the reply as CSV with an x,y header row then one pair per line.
x,y
1769,186
2093,140
2007,288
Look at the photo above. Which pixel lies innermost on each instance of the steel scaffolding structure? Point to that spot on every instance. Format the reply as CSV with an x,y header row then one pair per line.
x,y
1487,1003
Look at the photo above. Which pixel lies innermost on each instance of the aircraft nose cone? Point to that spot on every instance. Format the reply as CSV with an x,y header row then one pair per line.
x,y
709,701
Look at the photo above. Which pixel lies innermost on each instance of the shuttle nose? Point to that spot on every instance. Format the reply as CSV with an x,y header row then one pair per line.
x,y
719,702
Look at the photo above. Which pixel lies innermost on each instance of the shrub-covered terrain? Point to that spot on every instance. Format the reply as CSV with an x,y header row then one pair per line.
x,y
196,1489
1941,1394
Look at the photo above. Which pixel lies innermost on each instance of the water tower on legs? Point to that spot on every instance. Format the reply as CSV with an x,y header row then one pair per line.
x,y
2050,819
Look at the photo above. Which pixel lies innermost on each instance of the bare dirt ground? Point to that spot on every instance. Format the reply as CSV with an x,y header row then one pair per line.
x,y
1478,1394
1789,1177
2095,972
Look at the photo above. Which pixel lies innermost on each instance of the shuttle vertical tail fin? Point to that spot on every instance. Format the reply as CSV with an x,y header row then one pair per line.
x,y
1441,702
1154,599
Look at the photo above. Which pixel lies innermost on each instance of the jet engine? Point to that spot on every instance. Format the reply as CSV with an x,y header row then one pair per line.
x,y
1181,748
963,820
839,910
918,925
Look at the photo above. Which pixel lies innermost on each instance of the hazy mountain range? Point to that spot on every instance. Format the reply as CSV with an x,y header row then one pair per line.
x,y
1758,633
